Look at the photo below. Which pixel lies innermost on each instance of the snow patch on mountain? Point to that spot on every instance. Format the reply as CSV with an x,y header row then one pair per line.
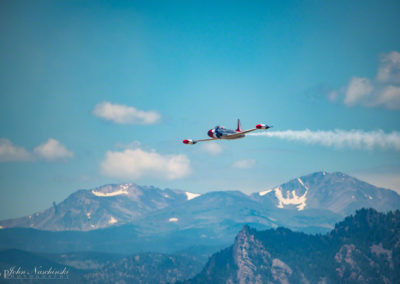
x,y
122,190
302,183
262,193
106,192
190,195
112,220
291,197
300,201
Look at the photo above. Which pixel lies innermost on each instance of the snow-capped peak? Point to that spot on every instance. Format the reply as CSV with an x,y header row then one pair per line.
x,y
190,195
123,189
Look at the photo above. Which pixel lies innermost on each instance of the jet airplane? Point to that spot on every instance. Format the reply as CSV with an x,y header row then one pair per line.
x,y
219,132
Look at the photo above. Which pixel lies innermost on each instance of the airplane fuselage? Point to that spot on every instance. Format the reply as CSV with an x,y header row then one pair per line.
x,y
222,133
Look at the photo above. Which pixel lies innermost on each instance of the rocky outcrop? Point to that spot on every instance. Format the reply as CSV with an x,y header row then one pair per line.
x,y
362,249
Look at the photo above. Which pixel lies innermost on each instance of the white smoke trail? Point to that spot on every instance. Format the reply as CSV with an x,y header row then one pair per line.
x,y
340,138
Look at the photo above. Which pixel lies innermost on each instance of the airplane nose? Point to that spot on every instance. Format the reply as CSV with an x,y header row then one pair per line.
x,y
210,133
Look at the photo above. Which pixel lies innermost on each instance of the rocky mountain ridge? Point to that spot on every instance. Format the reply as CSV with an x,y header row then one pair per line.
x,y
364,248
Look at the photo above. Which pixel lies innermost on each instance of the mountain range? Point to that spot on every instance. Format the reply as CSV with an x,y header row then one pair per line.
x,y
333,195
128,218
101,207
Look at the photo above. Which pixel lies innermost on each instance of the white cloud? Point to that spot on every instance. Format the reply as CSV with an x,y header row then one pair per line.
x,y
358,90
123,114
52,150
212,148
340,138
389,69
389,97
383,91
244,164
136,163
11,153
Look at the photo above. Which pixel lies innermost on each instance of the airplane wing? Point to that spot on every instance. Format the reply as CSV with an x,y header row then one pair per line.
x,y
258,126
247,131
190,141
241,132
209,139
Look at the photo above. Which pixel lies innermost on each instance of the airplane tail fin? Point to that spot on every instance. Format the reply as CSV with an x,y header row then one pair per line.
x,y
238,129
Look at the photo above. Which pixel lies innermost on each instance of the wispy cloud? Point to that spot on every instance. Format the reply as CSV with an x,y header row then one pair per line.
x,y
123,114
136,163
11,153
212,148
52,150
389,69
244,164
340,138
358,90
382,91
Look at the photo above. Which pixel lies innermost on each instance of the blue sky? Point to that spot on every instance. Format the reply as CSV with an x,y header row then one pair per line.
x,y
296,65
